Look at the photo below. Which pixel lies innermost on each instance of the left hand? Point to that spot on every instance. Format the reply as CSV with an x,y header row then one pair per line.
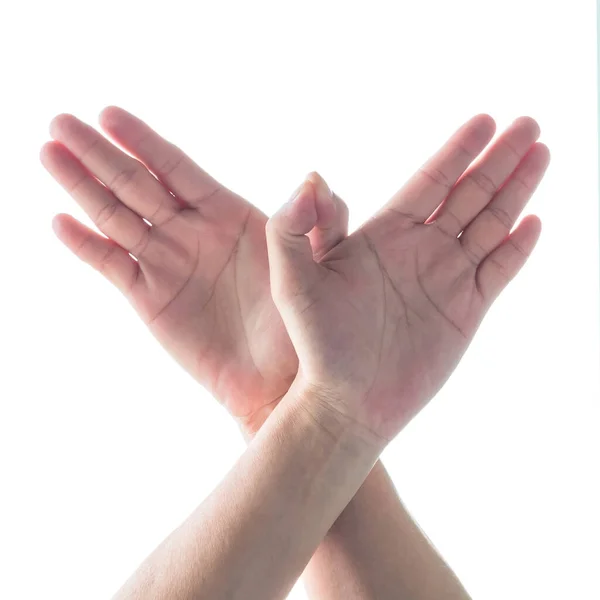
x,y
380,323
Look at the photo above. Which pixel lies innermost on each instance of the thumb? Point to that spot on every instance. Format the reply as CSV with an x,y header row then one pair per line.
x,y
291,264
332,218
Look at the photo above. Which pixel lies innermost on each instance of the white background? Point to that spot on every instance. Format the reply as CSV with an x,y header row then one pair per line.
x,y
106,444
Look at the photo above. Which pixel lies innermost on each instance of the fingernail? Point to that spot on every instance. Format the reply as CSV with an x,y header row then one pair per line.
x,y
322,181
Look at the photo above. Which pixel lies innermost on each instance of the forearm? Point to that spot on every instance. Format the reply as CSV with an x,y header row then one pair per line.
x,y
256,532
375,550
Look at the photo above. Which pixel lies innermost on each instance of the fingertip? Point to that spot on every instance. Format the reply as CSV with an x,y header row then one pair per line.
x,y
303,208
57,224
481,129
324,200
110,116
319,182
487,119
535,223
529,122
58,122
313,176
298,215
44,152
544,151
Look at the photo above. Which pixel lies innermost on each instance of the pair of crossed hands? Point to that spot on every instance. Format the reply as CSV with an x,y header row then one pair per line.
x,y
372,323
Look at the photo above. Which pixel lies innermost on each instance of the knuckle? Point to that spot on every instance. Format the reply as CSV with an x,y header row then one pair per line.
x,y
447,222
124,179
501,215
459,224
518,248
400,218
74,188
79,250
441,225
524,184
474,252
171,162
504,142
153,218
106,259
501,271
436,176
106,213
483,181
93,144
140,247
464,152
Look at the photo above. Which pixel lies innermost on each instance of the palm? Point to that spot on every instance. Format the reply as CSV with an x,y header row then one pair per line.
x,y
207,300
427,304
405,311
388,313
201,282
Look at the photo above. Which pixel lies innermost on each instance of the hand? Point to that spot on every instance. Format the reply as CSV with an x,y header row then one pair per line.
x,y
380,323
201,282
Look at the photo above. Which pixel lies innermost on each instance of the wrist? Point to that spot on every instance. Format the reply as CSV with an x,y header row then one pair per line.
x,y
324,409
335,455
285,492
250,424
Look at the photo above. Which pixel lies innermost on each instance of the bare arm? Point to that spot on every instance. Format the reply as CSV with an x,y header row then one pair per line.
x,y
375,550
392,309
253,536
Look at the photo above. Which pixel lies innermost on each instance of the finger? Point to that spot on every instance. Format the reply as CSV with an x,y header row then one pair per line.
x,y
111,216
428,187
102,254
495,221
332,218
125,176
481,182
291,262
502,265
170,164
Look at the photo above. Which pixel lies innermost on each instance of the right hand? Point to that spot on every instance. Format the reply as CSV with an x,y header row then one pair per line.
x,y
380,323
201,283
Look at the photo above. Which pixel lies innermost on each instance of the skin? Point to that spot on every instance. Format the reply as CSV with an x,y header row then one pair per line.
x,y
403,296
201,283
252,536
223,327
364,367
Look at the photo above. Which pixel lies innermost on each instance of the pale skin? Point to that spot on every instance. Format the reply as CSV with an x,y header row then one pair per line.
x,y
185,292
425,290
